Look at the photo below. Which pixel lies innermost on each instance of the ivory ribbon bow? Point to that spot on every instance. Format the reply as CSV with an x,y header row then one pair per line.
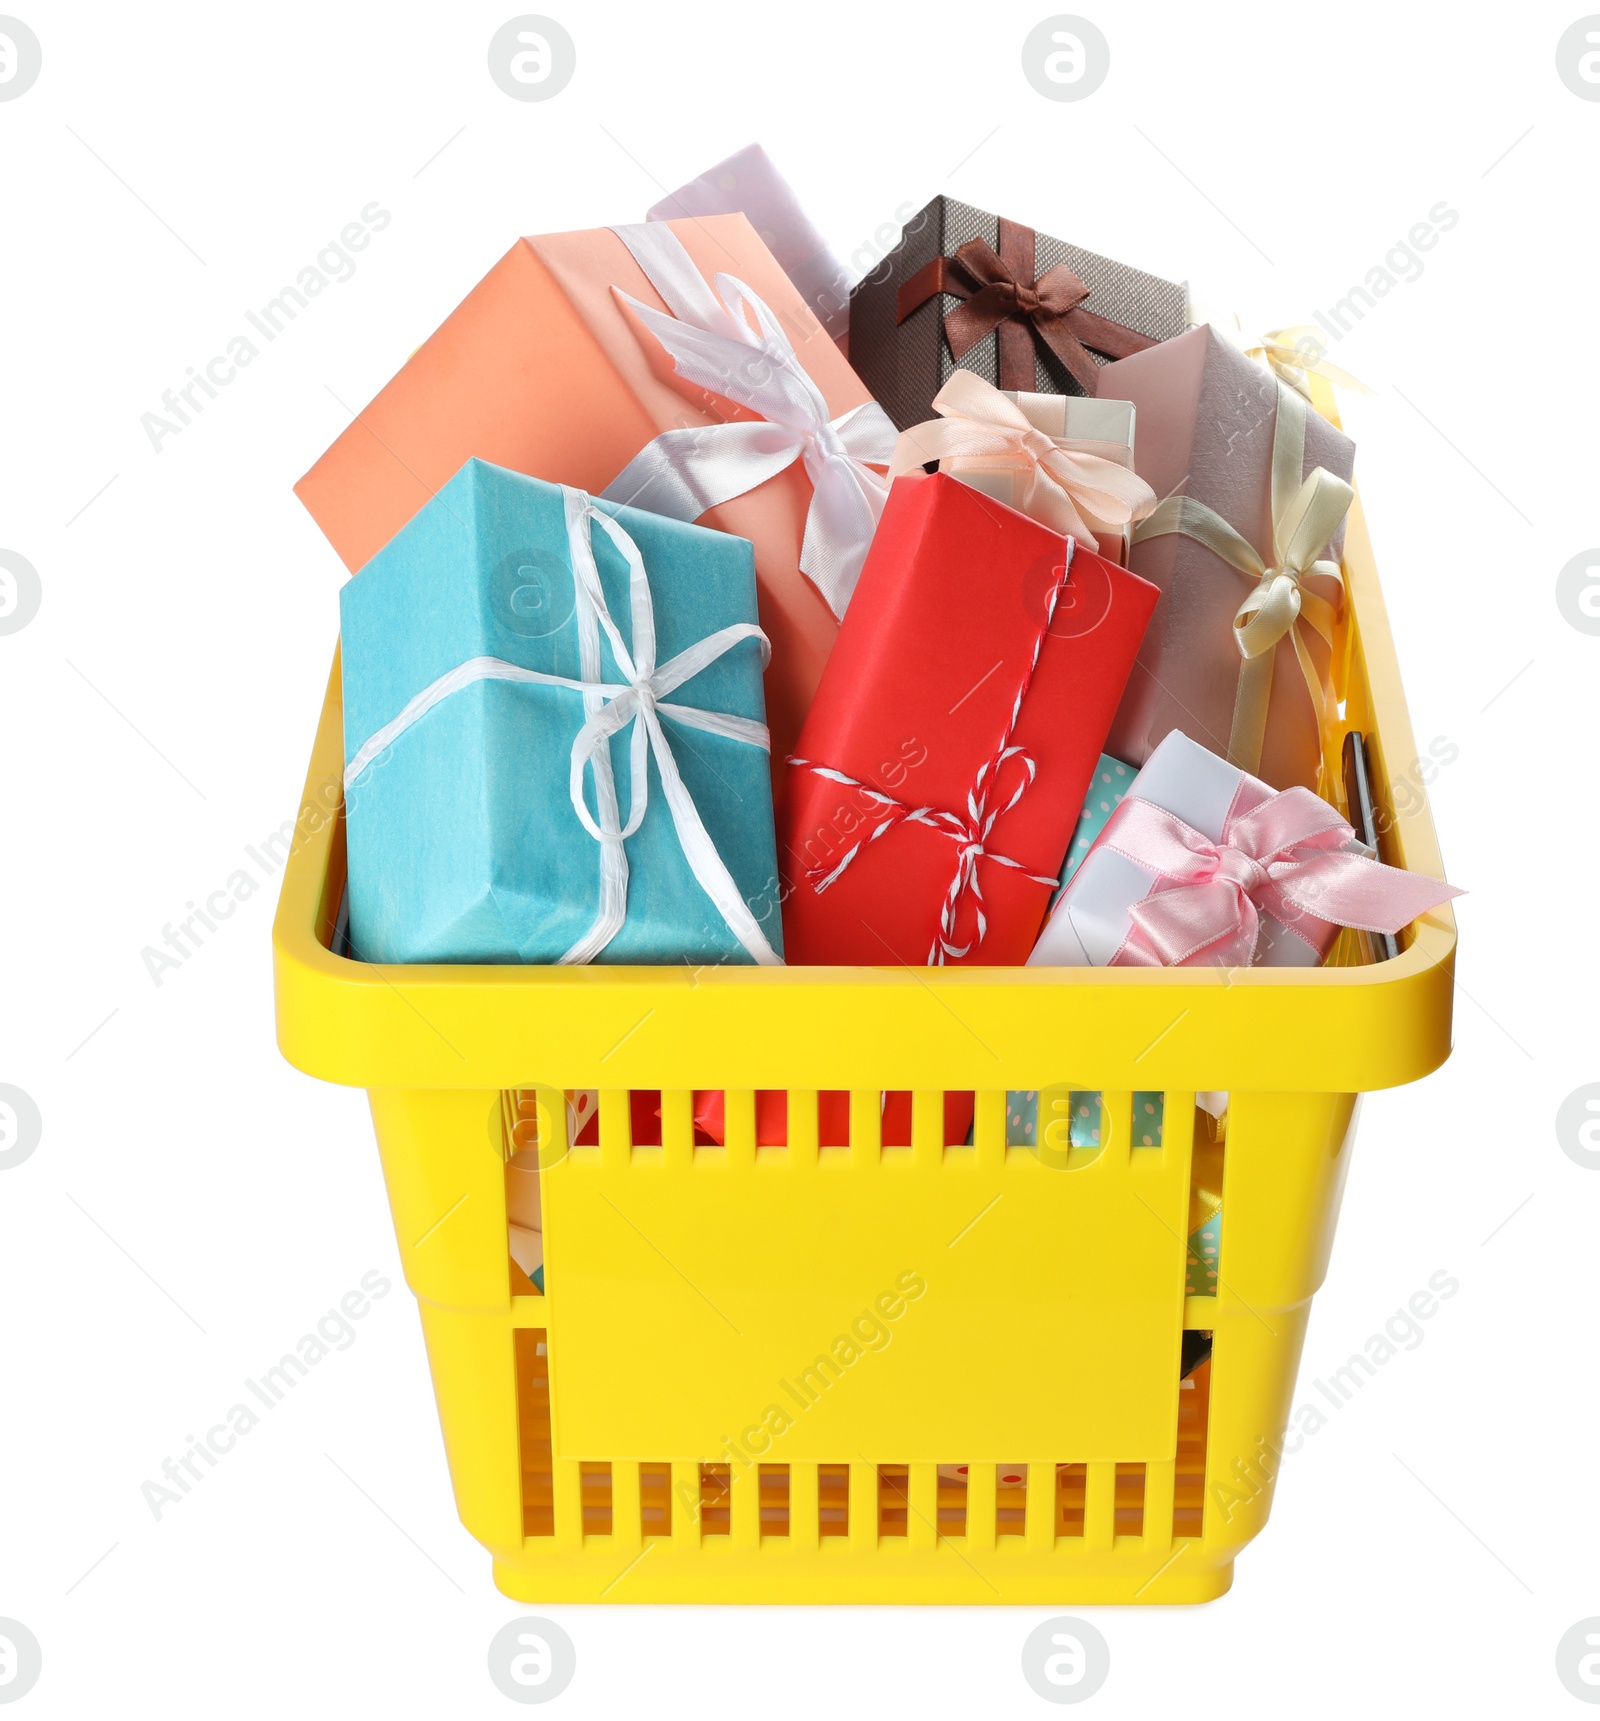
x,y
640,700
710,340
1068,485
1286,856
1305,516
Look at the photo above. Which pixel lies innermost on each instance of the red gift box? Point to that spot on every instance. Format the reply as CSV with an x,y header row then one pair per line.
x,y
943,766
833,1117
772,1119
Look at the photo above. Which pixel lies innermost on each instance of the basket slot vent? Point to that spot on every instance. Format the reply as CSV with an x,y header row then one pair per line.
x,y
533,1432
1189,1485
655,1499
774,1494
1130,1500
595,1484
894,1499
833,1499
716,1485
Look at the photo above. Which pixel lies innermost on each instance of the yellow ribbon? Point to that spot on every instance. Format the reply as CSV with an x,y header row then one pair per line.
x,y
1293,353
1075,487
1296,352
1205,1171
1305,516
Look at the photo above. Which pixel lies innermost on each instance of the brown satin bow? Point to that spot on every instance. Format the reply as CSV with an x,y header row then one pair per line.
x,y
1000,292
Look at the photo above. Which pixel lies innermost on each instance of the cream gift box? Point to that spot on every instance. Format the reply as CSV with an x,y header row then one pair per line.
x,y
1064,461
1105,426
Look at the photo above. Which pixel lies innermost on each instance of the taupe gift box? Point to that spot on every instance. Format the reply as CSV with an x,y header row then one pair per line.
x,y
1207,417
904,315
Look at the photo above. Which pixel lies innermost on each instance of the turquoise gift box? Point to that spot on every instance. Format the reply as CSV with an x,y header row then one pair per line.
x,y
515,648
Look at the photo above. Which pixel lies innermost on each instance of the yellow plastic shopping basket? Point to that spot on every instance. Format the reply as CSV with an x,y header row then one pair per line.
x,y
792,1374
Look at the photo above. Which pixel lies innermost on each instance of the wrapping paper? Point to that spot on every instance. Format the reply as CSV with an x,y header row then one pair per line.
x,y
833,1117
747,183
1110,782
954,735
543,370
1084,1118
905,364
464,843
1206,418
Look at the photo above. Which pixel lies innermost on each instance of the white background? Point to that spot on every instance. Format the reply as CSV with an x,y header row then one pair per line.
x,y
175,165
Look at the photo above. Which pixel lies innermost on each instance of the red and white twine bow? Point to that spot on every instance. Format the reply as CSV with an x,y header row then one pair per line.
x,y
970,830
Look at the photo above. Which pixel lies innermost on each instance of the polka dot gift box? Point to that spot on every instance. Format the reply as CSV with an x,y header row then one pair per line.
x,y
1112,780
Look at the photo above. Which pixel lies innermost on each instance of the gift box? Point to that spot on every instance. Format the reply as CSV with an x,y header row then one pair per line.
x,y
548,367
1085,1117
970,290
553,736
833,1117
943,766
747,183
1244,548
1063,460
1202,863
1110,782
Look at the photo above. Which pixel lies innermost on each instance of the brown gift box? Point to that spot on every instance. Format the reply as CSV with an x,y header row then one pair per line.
x,y
905,361
1206,417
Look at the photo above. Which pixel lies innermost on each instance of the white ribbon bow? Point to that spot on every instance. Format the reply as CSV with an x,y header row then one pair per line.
x,y
711,343
609,708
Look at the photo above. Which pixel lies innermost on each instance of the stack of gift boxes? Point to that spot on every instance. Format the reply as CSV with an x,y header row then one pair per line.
x,y
679,636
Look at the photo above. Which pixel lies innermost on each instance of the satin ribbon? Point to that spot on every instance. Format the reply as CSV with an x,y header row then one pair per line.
x,y
1305,515
969,830
1287,354
1286,856
1067,485
1000,292
712,344
637,700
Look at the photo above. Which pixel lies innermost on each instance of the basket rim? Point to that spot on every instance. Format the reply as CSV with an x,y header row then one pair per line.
x,y
1406,999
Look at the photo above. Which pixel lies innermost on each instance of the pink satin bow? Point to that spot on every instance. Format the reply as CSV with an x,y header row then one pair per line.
x,y
1283,855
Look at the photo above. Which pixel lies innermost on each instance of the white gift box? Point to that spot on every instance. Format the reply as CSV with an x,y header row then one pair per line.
x,y
1090,922
1067,419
